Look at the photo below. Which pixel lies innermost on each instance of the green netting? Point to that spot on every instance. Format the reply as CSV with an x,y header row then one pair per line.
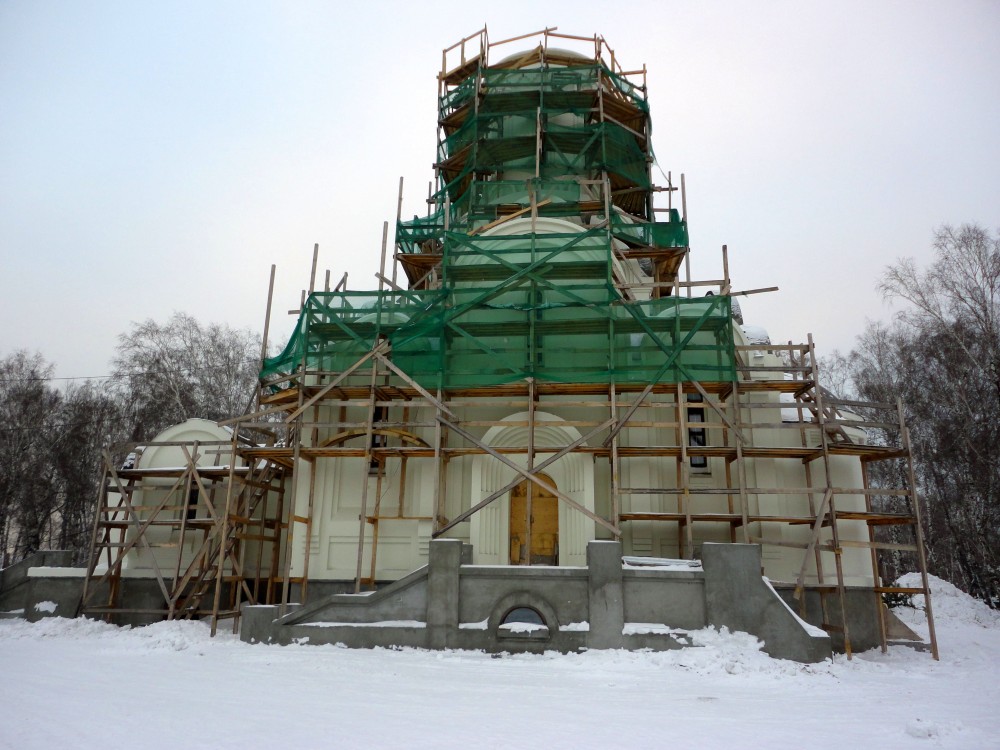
x,y
550,80
508,143
495,132
413,236
672,233
334,326
481,202
633,93
554,259
522,333
590,338
487,335
499,192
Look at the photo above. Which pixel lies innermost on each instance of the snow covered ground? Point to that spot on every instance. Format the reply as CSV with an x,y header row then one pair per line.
x,y
82,684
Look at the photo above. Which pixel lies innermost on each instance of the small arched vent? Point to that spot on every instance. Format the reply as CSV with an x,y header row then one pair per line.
x,y
523,620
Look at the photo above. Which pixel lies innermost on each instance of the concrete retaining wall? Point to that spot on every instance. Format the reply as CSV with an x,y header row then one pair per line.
x,y
448,604
25,590
597,606
42,585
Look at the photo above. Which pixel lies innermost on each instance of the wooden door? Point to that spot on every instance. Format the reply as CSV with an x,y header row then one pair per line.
x,y
544,524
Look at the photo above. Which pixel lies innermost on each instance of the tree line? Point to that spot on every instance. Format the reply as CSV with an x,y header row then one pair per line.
x,y
51,439
941,355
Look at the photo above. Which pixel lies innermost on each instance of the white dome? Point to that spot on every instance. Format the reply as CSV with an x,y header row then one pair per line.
x,y
756,334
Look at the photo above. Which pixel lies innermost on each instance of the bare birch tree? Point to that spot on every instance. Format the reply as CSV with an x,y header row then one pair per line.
x,y
941,354
166,373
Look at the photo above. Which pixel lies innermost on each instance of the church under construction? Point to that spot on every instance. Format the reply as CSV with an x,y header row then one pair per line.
x,y
538,431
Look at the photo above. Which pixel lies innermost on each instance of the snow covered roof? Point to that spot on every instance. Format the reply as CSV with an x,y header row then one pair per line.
x,y
756,334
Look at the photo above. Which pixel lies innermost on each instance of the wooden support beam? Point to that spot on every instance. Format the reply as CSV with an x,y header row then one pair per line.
x,y
821,517
508,217
312,274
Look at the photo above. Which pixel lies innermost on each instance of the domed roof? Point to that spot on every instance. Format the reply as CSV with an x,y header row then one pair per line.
x,y
553,54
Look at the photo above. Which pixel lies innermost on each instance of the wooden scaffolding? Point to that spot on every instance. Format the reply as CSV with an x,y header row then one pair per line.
x,y
207,531
394,410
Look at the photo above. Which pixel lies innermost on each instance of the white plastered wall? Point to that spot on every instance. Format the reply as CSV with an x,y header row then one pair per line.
x,y
403,533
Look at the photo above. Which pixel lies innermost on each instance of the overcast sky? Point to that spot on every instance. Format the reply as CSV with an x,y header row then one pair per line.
x,y
160,156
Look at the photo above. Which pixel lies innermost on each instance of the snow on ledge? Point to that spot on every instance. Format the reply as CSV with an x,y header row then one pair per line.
x,y
575,627
659,563
481,625
66,572
53,572
650,628
523,627
379,624
812,630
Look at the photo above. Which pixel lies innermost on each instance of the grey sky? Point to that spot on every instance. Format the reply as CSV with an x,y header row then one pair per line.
x,y
160,156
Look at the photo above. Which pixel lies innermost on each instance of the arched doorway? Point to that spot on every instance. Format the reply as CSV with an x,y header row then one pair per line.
x,y
573,475
544,524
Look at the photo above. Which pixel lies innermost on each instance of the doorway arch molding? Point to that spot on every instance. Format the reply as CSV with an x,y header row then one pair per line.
x,y
573,474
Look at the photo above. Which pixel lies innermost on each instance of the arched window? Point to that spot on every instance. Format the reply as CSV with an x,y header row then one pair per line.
x,y
523,620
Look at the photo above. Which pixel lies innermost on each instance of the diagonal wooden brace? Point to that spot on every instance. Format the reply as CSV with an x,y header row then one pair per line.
x,y
813,541
377,349
414,384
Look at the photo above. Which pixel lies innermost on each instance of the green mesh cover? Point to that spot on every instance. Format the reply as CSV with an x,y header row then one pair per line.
x,y
481,205
479,335
658,234
496,132
584,150
553,81
514,306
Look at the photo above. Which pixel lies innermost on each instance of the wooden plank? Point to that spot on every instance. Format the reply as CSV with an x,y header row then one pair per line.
x,y
821,513
508,217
